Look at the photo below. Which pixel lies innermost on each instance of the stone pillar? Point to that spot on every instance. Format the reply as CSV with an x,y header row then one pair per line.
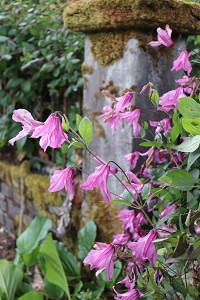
x,y
118,58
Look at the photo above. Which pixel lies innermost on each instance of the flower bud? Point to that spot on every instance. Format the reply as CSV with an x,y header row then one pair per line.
x,y
65,124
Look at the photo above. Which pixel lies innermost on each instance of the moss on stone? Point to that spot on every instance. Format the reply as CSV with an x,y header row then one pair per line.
x,y
113,89
104,215
35,187
104,15
87,69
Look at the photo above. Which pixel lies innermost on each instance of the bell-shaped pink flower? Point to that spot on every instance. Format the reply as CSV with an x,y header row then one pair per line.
x,y
169,100
168,210
182,62
132,117
144,248
29,124
99,179
132,294
162,125
51,133
124,102
111,118
132,159
164,37
62,179
101,258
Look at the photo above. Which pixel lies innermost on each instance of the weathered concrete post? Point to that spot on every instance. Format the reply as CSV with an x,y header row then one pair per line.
x,y
118,58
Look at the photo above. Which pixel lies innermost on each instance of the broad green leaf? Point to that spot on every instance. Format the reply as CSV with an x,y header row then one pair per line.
x,y
174,133
87,236
78,120
189,108
178,178
85,130
3,39
70,263
189,145
26,86
52,291
193,156
150,144
178,286
191,125
32,296
31,237
10,278
53,268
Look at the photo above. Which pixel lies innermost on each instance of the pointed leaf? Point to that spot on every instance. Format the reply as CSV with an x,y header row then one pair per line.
x,y
85,130
53,268
178,179
189,145
87,238
32,296
189,108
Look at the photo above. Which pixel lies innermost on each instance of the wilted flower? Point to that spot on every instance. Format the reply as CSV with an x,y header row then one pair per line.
x,y
164,37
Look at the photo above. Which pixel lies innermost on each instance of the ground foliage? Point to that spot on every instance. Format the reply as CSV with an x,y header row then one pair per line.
x,y
40,68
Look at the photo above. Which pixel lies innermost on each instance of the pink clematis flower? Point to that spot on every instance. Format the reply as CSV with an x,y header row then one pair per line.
x,y
51,133
99,179
121,239
62,179
168,210
132,117
161,125
182,62
124,102
164,37
135,186
169,100
130,295
144,248
132,159
101,258
29,124
111,118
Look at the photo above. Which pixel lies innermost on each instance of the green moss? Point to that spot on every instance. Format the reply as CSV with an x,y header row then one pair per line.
x,y
113,89
34,187
87,69
104,15
104,215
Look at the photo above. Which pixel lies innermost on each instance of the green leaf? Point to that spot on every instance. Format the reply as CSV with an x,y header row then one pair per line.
x,y
3,39
179,179
26,86
189,108
52,291
85,130
191,201
70,263
10,277
87,236
53,268
77,289
155,97
189,145
150,144
193,156
77,144
31,237
122,202
78,120
176,130
191,125
32,296
146,190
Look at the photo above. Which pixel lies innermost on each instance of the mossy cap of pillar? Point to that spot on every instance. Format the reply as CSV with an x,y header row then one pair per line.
x,y
143,15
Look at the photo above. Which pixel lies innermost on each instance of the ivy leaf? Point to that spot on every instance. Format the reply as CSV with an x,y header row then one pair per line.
x,y
85,130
